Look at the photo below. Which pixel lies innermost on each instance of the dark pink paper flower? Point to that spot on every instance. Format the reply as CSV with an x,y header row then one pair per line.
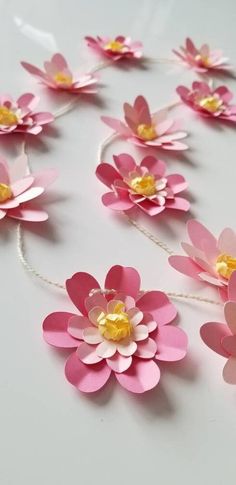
x,y
208,259
213,103
19,116
58,76
119,330
145,186
221,337
203,59
119,48
146,130
17,190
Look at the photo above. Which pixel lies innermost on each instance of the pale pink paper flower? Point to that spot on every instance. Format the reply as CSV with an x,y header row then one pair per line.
x,y
146,130
145,186
119,330
208,259
221,337
19,116
119,48
209,102
17,190
58,76
203,59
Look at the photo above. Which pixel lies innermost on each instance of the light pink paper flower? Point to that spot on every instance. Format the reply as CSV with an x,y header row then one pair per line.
x,y
58,76
119,330
146,130
203,59
145,186
19,116
222,338
209,259
119,48
17,190
213,103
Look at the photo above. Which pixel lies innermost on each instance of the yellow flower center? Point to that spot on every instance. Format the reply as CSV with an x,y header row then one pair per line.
x,y
145,185
7,117
115,326
225,265
62,78
5,192
211,103
114,46
146,132
205,60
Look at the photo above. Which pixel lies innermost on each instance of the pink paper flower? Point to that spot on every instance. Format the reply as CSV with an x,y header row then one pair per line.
x,y
146,130
17,190
19,116
119,330
208,259
221,337
213,103
202,60
119,48
145,186
58,76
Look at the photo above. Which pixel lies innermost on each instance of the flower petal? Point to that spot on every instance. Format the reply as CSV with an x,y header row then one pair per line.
x,y
87,354
229,344
171,344
142,376
116,125
126,347
230,315
22,185
227,242
45,178
199,234
91,335
135,316
4,177
140,333
185,265
55,330
76,325
95,313
118,363
178,203
146,349
123,279
212,334
177,182
28,214
232,287
78,288
114,202
107,174
86,378
29,194
158,305
106,349
96,300
155,166
125,163
229,371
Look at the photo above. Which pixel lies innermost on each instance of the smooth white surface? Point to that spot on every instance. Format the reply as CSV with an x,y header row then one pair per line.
x,y
184,431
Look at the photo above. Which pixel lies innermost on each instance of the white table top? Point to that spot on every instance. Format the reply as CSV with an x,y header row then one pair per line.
x,y
184,432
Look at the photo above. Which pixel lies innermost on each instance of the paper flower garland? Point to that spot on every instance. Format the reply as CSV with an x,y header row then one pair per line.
x,y
203,59
19,116
17,190
145,186
221,337
120,330
209,259
119,48
146,130
213,103
58,76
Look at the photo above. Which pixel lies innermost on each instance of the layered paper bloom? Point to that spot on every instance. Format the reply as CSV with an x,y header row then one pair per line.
x,y
208,259
119,330
58,76
19,116
221,337
17,190
119,48
146,130
213,103
144,185
203,59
